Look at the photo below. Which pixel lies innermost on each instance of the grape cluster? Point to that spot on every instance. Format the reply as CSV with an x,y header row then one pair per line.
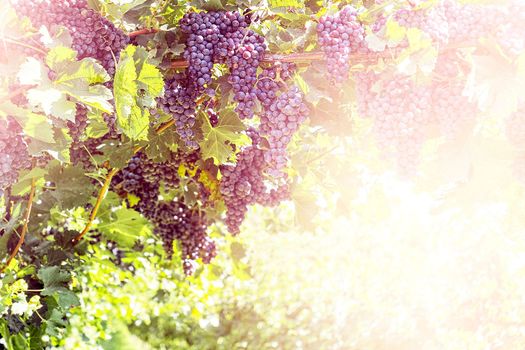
x,y
364,84
271,80
243,72
179,101
14,155
453,112
243,184
77,127
256,178
93,35
401,113
28,47
213,37
432,21
279,122
339,36
511,34
468,22
173,220
203,36
223,37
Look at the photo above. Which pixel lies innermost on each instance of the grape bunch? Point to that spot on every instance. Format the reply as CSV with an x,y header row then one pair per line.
x,y
203,35
511,34
28,47
173,220
271,80
364,83
339,36
223,37
179,101
77,127
279,122
432,21
469,22
213,37
453,112
243,72
93,35
402,112
243,184
14,154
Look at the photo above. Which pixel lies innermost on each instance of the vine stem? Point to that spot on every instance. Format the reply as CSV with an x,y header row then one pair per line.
x,y
142,32
94,211
301,57
24,228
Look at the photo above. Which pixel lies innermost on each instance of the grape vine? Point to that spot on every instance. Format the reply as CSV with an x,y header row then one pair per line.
x,y
187,119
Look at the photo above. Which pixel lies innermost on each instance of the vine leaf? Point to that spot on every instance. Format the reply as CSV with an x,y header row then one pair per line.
x,y
76,81
420,56
97,127
218,141
35,125
23,185
74,188
117,9
124,226
137,83
286,3
208,5
495,83
56,283
160,145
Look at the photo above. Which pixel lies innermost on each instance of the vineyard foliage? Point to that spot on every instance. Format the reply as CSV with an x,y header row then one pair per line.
x,y
136,135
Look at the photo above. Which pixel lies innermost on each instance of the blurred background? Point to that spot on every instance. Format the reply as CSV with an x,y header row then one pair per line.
x,y
363,258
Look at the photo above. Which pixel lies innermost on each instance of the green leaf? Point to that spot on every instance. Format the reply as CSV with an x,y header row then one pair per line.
x,y
298,79
218,141
495,84
117,154
38,128
208,5
77,81
60,37
52,101
58,58
97,126
53,277
35,125
286,3
161,145
55,323
150,79
73,187
134,73
117,8
87,70
125,227
23,184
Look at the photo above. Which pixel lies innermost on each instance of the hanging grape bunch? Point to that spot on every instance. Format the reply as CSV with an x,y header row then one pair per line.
x,y
339,36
